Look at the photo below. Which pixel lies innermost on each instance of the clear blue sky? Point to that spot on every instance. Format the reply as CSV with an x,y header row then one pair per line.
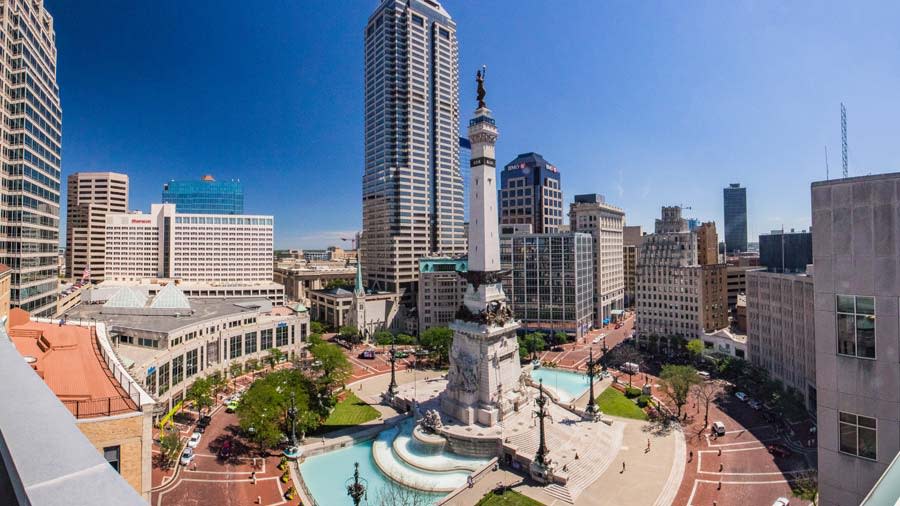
x,y
649,103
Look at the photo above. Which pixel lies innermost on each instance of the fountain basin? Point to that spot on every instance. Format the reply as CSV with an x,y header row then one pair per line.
x,y
431,456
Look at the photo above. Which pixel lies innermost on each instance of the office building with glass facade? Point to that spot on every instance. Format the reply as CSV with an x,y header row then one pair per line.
x,y
785,251
465,158
530,193
32,135
735,199
552,283
206,196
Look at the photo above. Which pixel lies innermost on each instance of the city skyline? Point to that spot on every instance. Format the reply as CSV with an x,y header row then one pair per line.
x,y
667,99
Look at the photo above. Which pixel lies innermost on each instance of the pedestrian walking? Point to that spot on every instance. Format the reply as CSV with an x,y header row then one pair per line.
x,y
253,477
623,466
720,452
691,456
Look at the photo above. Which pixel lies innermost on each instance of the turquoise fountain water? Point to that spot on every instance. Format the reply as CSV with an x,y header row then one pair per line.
x,y
394,456
568,385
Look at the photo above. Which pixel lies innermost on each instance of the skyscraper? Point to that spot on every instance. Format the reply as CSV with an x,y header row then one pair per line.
x,y
206,196
32,134
530,193
412,188
591,214
735,199
91,196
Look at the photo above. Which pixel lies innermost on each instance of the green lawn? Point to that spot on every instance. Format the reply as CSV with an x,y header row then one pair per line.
x,y
509,498
349,412
614,403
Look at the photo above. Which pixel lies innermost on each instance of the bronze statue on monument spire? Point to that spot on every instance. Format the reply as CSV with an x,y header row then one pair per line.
x,y
479,78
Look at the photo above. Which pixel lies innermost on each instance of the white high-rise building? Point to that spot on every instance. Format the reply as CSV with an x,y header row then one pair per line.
x,y
32,134
210,248
591,214
412,188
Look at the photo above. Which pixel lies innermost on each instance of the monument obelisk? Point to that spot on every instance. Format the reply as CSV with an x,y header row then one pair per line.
x,y
484,381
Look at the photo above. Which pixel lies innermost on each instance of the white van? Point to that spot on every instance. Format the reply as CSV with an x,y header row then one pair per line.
x,y
718,428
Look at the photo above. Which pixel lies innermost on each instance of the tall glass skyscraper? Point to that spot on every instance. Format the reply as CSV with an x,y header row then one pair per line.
x,y
206,196
32,135
465,171
735,217
412,189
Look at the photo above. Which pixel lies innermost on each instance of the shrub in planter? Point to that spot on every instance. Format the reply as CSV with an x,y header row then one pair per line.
x,y
643,400
286,477
632,392
289,495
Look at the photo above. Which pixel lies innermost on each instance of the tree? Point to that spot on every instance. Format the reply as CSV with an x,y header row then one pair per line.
x,y
169,445
561,337
316,328
535,343
677,381
332,363
393,494
349,332
263,410
252,364
695,349
217,383
235,369
437,340
383,338
200,393
619,356
706,392
274,357
405,339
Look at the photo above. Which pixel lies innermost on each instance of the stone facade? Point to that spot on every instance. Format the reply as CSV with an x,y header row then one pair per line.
x,y
856,226
441,291
131,436
781,329
591,214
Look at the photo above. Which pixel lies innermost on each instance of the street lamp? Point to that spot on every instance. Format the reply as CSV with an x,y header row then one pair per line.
x,y
591,365
356,486
392,388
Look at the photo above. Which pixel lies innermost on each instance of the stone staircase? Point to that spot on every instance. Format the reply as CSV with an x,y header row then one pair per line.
x,y
595,450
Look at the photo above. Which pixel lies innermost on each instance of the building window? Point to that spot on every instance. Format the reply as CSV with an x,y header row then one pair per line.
x,y
190,363
163,378
112,454
265,339
177,370
858,435
234,346
856,326
250,342
281,336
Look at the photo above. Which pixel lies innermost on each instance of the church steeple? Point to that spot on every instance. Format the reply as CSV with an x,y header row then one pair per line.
x,y
358,288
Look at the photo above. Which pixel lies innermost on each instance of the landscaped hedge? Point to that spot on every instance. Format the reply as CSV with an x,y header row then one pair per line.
x,y
632,392
643,400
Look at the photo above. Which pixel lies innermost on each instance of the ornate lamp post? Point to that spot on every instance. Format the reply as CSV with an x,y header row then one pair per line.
x,y
392,387
604,349
356,486
541,455
591,365
292,414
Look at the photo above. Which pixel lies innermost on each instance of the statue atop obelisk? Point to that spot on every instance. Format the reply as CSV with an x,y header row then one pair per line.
x,y
484,378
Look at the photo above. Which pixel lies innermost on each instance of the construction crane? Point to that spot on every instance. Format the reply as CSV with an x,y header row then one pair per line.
x,y
844,137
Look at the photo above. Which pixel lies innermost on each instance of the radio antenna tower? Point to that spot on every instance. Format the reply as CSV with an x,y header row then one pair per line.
x,y
844,137
826,163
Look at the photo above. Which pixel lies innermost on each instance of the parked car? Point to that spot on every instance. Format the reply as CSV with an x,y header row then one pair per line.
x,y
778,450
703,374
755,404
204,421
781,501
618,325
194,440
741,396
557,349
631,367
718,428
367,354
231,407
401,354
187,456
